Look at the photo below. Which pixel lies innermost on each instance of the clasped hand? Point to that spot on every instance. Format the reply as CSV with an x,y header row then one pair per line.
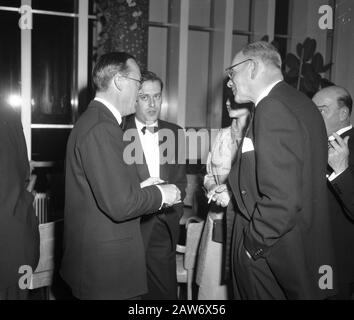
x,y
171,193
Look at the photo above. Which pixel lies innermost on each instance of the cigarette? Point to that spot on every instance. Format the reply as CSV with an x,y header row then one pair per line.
x,y
210,197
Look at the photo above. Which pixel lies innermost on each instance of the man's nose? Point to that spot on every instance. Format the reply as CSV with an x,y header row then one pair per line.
x,y
152,102
230,83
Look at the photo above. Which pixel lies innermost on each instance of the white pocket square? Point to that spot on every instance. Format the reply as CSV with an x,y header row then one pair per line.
x,y
247,145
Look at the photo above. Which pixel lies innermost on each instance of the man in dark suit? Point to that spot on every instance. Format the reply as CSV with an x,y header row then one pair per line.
x,y
103,247
281,237
160,231
19,235
335,105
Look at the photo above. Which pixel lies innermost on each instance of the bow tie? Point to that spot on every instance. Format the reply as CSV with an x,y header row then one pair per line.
x,y
151,129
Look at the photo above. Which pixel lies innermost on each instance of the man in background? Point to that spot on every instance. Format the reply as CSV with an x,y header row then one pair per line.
x,y
161,230
19,235
103,248
282,234
335,105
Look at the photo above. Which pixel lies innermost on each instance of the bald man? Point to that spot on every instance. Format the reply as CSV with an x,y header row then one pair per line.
x,y
335,105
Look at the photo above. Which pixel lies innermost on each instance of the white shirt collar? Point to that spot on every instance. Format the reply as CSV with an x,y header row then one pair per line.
x,y
140,125
340,131
111,108
266,91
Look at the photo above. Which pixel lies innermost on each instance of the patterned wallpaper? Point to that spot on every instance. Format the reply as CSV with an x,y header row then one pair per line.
x,y
123,26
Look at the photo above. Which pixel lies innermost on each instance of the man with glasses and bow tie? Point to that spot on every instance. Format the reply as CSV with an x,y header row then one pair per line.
x,y
104,254
160,165
281,234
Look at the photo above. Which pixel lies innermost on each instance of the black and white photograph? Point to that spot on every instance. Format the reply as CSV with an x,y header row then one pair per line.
x,y
176,154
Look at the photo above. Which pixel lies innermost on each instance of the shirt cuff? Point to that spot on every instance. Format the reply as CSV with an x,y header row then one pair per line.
x,y
334,175
163,196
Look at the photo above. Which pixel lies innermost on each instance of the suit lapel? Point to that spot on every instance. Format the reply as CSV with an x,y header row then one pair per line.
x,y
141,168
164,172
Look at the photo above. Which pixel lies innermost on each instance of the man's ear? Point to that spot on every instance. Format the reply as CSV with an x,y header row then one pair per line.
x,y
254,69
117,81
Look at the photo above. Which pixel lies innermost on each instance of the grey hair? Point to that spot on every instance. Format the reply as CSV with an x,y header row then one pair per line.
x,y
107,66
263,51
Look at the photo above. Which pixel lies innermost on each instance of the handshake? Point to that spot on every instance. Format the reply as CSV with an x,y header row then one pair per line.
x,y
170,193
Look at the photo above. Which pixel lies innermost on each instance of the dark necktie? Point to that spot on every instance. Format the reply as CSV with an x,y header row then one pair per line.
x,y
151,129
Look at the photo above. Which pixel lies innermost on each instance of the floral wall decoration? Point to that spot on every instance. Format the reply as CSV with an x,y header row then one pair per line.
x,y
122,25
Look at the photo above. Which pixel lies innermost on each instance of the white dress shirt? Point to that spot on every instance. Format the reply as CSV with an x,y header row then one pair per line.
x,y
151,149
150,144
266,91
331,138
111,108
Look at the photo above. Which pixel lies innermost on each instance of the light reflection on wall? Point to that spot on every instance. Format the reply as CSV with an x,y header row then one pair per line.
x,y
14,100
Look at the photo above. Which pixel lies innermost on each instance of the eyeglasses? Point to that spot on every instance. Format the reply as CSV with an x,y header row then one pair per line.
x,y
136,80
230,71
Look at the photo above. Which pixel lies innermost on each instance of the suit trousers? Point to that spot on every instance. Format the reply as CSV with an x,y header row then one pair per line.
x,y
252,279
161,264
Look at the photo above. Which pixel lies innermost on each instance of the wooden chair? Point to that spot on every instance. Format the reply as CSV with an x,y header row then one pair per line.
x,y
186,255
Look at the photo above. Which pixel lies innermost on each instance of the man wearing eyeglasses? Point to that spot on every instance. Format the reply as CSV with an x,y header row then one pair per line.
x,y
160,231
103,248
282,235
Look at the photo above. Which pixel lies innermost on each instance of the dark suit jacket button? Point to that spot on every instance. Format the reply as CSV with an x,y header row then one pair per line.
x,y
243,192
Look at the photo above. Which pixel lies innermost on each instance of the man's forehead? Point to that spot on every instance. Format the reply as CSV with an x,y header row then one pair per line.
x,y
150,87
325,99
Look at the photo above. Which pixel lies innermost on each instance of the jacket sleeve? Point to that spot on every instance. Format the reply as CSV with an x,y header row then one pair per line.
x,y
344,183
118,194
279,169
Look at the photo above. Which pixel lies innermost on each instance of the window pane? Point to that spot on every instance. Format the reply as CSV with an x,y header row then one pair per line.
x,y
238,42
10,60
281,25
56,5
242,15
53,69
197,79
157,51
91,7
10,3
158,11
89,93
199,14
157,60
49,144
